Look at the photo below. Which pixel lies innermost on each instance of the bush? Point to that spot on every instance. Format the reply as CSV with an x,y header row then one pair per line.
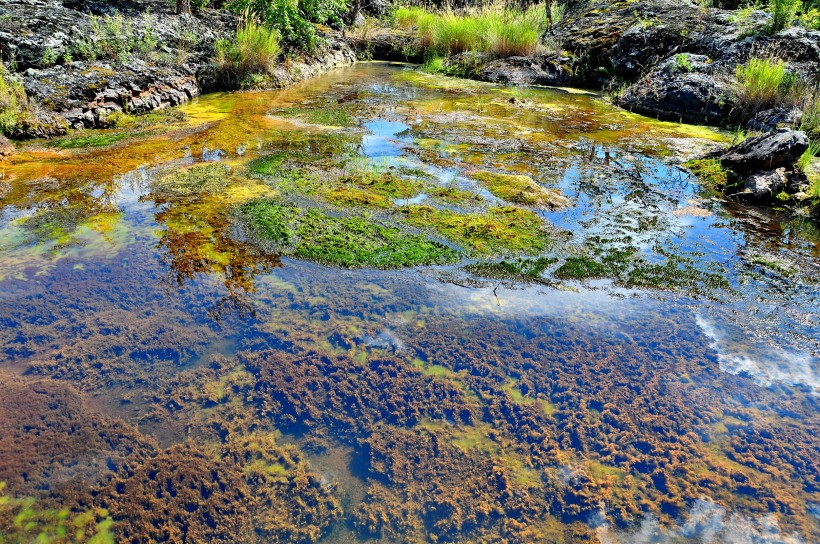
x,y
253,50
13,101
113,37
761,83
783,13
293,19
492,29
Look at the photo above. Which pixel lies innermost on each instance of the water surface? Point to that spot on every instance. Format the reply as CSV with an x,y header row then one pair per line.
x,y
669,396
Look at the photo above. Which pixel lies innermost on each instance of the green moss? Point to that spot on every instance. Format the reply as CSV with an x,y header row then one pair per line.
x,y
350,196
388,183
579,268
454,195
709,171
499,230
520,189
519,269
347,241
92,140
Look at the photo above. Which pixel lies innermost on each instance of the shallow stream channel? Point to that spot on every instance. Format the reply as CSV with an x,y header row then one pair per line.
x,y
387,306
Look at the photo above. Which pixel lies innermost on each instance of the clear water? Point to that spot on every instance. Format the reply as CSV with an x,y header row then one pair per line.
x,y
432,403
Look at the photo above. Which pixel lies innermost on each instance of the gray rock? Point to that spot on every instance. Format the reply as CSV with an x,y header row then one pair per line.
x,y
540,70
768,151
775,118
765,185
684,87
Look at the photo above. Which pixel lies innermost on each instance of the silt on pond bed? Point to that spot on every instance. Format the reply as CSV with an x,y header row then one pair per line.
x,y
391,307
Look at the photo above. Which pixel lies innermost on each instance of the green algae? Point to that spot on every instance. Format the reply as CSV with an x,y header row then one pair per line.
x,y
520,189
522,269
92,140
200,179
502,229
388,182
347,241
710,172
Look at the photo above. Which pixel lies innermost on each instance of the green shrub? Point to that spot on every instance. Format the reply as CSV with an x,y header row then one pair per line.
x,y
253,50
294,20
761,83
13,101
113,37
783,13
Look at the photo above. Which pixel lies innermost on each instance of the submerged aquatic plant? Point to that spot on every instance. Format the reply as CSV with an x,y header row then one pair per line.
x,y
349,241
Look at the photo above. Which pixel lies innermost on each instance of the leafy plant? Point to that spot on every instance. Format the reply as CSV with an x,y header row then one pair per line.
x,y
783,14
683,63
294,20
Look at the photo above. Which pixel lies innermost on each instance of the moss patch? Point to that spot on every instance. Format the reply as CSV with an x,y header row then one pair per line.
x,y
520,189
347,241
519,269
500,230
329,116
709,171
389,183
91,140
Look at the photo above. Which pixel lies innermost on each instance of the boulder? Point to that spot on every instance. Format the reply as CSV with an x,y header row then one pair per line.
x,y
765,152
765,185
683,87
771,119
541,70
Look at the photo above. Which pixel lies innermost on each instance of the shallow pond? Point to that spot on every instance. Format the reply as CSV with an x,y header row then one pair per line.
x,y
388,306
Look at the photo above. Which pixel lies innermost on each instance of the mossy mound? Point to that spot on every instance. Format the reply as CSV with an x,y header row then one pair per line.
x,y
349,241
502,229
710,172
519,189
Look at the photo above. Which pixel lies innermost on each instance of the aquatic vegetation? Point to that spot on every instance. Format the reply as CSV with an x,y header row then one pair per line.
x,y
23,520
519,269
387,182
93,140
710,172
181,494
348,241
520,189
498,230
208,179
327,116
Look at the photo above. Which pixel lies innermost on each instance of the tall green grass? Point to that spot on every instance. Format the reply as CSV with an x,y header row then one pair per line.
x,y
253,50
495,29
762,83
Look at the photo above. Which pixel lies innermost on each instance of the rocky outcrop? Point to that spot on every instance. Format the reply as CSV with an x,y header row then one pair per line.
x,y
681,88
539,70
86,94
765,152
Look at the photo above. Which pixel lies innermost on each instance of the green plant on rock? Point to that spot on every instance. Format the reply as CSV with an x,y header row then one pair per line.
x,y
804,162
683,62
253,50
762,83
294,20
709,171
13,101
784,13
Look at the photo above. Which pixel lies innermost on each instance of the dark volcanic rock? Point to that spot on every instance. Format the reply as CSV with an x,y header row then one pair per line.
x,y
775,118
768,151
683,87
552,70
